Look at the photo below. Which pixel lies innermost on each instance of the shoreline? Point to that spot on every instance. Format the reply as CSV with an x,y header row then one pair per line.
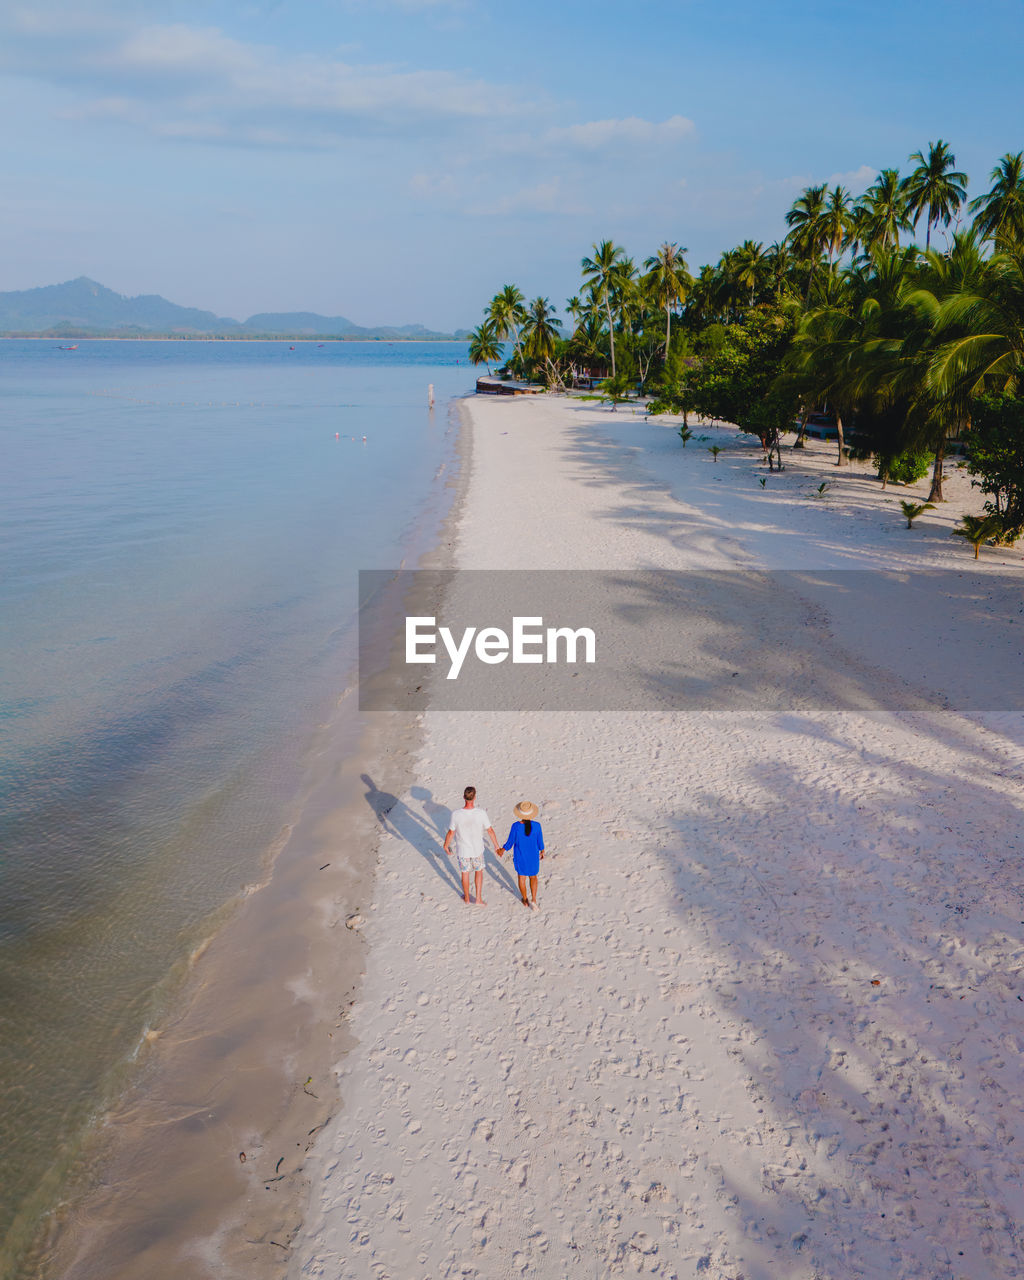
x,y
710,1052
280,956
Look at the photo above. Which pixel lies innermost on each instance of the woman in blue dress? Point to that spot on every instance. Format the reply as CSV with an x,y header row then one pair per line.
x,y
527,841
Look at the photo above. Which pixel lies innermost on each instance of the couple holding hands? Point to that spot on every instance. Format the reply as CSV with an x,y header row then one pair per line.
x,y
469,826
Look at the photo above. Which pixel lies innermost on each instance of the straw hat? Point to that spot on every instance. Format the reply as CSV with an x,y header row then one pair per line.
x,y
526,809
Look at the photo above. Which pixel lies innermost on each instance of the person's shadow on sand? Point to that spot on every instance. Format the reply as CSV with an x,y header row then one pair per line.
x,y
399,820
427,835
441,816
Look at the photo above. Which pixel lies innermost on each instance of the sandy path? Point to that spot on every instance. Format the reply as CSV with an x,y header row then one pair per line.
x,y
768,1021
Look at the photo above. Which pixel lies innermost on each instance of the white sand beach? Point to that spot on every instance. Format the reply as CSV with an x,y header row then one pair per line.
x,y
768,1021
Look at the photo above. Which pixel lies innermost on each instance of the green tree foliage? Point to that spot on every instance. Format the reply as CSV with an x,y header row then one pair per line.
x,y
604,273
738,379
506,315
667,282
484,347
914,509
999,213
935,187
996,457
909,467
895,341
978,529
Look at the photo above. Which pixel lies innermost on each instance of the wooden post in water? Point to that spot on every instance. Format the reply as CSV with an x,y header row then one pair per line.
x,y
430,394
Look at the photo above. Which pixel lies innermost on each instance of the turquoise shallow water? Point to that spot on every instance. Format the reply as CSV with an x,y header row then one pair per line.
x,y
181,525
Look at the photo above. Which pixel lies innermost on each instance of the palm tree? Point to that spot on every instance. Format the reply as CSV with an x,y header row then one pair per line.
x,y
541,330
806,229
978,529
778,270
577,310
935,186
601,273
836,223
982,326
999,214
506,315
626,302
668,280
914,509
484,345
881,213
749,266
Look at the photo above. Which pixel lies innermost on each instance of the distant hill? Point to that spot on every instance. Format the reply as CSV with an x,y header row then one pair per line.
x,y
84,307
308,323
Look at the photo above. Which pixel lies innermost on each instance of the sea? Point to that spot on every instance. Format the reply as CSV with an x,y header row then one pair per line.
x,y
181,528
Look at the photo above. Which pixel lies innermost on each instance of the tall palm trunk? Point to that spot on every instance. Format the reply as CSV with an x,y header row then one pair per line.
x,y
841,460
801,435
668,327
935,494
611,328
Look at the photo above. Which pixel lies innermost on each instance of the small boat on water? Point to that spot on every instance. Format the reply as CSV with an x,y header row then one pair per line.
x,y
74,348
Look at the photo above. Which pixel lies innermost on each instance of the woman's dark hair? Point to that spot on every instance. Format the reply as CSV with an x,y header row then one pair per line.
x,y
527,826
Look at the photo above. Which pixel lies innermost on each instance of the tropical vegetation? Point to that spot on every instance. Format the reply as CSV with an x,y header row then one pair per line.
x,y
898,313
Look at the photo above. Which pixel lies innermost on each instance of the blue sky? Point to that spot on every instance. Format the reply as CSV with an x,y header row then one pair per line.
x,y
399,160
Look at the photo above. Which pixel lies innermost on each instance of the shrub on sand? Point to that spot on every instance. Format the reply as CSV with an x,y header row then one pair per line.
x,y
914,509
979,529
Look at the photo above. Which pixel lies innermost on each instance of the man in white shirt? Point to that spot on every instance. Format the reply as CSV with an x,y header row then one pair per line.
x,y
468,827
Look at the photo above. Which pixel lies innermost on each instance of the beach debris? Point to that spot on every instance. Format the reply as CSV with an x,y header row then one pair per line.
x,y
241,1157
306,1089
325,866
279,1164
355,921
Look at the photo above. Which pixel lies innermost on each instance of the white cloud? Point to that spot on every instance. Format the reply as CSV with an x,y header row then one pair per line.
x,y
435,186
856,180
547,197
602,135
183,81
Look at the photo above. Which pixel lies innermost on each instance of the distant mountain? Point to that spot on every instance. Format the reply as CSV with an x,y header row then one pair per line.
x,y
83,306
309,324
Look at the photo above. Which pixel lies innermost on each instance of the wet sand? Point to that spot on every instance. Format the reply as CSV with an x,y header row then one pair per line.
x,y
200,1168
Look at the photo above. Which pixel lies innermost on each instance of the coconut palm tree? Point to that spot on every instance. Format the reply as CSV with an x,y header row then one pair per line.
x,y
601,272
914,509
484,345
506,315
806,230
778,270
577,310
668,281
999,214
836,223
541,330
749,266
881,213
935,187
978,529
